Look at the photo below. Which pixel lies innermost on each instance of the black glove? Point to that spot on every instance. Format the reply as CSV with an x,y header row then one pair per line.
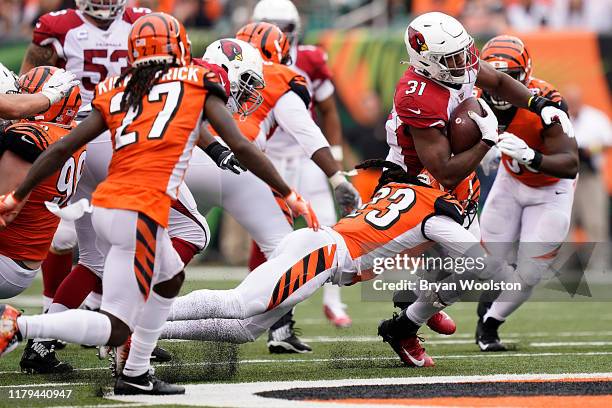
x,y
224,158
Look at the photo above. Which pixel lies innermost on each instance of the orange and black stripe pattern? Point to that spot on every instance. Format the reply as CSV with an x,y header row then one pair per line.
x,y
508,53
144,260
268,39
34,134
157,38
303,271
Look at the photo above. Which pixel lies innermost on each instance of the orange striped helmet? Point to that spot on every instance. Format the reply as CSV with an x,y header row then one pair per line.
x,y
269,40
508,54
62,112
158,38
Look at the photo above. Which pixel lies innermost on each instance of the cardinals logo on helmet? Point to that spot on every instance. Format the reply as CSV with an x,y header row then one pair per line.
x,y
231,50
417,41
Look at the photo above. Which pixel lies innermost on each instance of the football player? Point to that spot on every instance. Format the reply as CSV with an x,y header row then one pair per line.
x,y
24,243
161,94
285,105
310,62
404,216
14,105
444,67
531,198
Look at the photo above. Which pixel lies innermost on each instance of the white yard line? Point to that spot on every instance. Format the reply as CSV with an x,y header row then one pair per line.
x,y
242,395
42,385
571,343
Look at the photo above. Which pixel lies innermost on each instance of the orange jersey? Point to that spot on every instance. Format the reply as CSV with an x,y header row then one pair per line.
x,y
528,126
29,236
280,79
153,145
395,210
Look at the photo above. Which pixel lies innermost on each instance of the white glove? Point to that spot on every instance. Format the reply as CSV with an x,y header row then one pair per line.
x,y
487,124
490,161
60,82
551,114
516,148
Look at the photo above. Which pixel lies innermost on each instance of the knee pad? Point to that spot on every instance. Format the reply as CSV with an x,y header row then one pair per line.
x,y
65,237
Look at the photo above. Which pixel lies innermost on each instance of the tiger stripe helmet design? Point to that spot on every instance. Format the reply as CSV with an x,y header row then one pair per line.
x,y
508,54
271,42
62,112
158,38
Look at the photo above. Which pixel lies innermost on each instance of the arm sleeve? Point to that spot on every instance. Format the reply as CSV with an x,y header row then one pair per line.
x,y
294,118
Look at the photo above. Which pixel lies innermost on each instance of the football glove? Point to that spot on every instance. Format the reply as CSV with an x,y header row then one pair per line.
x,y
550,112
301,207
56,87
346,195
490,161
9,208
516,148
224,158
487,124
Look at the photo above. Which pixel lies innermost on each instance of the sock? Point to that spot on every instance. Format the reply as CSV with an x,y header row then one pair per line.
x,y
46,303
331,295
75,288
420,311
507,302
186,250
54,269
72,326
222,330
207,304
94,300
146,333
257,257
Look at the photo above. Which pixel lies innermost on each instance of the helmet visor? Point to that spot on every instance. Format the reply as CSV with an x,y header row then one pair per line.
x,y
459,64
102,9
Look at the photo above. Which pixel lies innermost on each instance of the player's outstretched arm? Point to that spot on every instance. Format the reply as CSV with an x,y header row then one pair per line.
x,y
37,56
56,155
16,106
511,90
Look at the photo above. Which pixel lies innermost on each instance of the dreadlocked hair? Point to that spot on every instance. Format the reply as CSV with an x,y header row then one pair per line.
x,y
141,80
392,173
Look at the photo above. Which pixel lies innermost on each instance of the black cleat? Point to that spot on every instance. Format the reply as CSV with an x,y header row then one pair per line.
x,y
39,358
487,337
146,384
284,340
159,355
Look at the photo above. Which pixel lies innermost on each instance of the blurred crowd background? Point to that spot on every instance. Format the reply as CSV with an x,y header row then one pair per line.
x,y
570,42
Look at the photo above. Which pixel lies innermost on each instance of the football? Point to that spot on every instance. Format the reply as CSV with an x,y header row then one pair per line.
x,y
463,132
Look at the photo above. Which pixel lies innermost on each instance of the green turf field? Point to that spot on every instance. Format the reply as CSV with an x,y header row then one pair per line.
x,y
548,337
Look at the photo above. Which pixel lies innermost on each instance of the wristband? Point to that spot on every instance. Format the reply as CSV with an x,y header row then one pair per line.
x,y
214,150
336,152
537,161
336,179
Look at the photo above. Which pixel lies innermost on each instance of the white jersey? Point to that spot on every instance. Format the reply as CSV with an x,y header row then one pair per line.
x,y
91,53
310,62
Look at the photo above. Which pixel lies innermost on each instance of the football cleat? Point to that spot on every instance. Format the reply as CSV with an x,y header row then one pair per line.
x,y
284,340
9,331
337,316
442,323
487,336
400,333
39,358
159,355
147,384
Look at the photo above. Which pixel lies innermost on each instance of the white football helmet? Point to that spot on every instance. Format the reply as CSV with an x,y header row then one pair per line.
x,y
440,48
281,13
8,81
244,68
102,9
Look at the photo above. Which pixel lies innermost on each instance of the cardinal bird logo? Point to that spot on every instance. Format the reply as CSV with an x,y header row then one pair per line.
x,y
231,50
417,41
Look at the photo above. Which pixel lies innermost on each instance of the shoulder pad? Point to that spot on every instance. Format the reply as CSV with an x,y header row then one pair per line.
x,y
54,26
27,140
131,14
313,61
